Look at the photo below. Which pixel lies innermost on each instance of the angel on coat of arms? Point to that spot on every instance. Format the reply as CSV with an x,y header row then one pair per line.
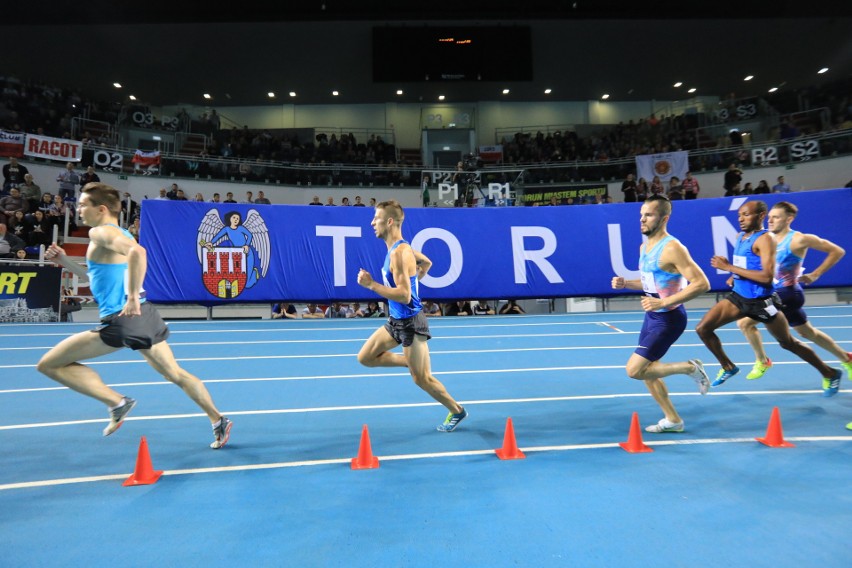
x,y
242,247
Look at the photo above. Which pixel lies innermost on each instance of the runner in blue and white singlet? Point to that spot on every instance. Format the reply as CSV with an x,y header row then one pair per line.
x,y
407,325
395,309
665,265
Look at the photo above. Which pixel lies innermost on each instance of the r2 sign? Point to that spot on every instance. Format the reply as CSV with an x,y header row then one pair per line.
x,y
766,155
108,160
804,150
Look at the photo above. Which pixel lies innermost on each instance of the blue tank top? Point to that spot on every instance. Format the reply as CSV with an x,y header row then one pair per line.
x,y
788,266
744,257
396,309
108,283
657,282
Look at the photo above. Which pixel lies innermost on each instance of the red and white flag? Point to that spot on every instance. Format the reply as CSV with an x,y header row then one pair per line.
x,y
145,159
11,144
491,154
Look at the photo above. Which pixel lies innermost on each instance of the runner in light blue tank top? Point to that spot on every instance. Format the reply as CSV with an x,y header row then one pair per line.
x,y
664,266
787,264
108,283
657,282
116,266
396,309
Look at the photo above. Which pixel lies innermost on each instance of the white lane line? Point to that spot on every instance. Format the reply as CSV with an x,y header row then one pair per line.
x,y
398,406
403,457
322,329
605,324
434,339
435,352
374,375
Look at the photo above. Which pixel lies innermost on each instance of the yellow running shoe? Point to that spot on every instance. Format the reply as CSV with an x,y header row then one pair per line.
x,y
848,366
759,369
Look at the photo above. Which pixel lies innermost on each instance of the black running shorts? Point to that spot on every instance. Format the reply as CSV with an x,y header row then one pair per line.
x,y
137,332
404,330
763,309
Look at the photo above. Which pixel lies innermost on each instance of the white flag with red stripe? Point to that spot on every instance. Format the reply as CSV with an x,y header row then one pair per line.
x,y
11,144
147,158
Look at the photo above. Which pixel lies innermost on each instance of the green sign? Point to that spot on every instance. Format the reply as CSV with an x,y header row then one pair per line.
x,y
122,176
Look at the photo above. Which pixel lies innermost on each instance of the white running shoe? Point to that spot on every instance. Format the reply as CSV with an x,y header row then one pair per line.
x,y
699,375
665,425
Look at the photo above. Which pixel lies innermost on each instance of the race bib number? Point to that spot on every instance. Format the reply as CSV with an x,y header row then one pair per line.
x,y
740,261
648,284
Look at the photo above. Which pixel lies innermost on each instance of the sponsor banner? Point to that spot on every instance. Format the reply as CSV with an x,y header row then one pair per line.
x,y
198,253
29,293
11,144
664,165
53,148
576,193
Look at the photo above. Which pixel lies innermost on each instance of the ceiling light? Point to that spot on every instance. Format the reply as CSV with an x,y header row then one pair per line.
x,y
773,89
604,96
270,94
678,84
335,93
692,90
292,93
207,96
441,97
132,98
823,70
117,85
399,91
749,78
505,91
547,91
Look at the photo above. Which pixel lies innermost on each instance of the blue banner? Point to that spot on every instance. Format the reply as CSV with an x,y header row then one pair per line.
x,y
211,254
29,293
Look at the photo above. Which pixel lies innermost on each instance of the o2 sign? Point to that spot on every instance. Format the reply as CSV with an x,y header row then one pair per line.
x,y
108,161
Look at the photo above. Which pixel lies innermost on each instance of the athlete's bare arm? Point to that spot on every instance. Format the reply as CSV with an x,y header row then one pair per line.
x,y
764,247
423,263
619,283
800,245
676,259
56,254
112,245
403,266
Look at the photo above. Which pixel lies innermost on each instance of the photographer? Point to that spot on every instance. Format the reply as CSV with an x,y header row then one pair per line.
x,y
733,176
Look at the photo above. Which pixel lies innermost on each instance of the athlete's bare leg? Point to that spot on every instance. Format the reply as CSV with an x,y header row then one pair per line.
x,y
420,367
161,358
376,351
722,313
61,365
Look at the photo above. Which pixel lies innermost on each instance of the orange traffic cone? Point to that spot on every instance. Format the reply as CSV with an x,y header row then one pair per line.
x,y
774,433
634,443
144,474
510,450
365,459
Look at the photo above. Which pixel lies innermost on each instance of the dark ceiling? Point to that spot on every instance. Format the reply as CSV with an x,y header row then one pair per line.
x,y
172,53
